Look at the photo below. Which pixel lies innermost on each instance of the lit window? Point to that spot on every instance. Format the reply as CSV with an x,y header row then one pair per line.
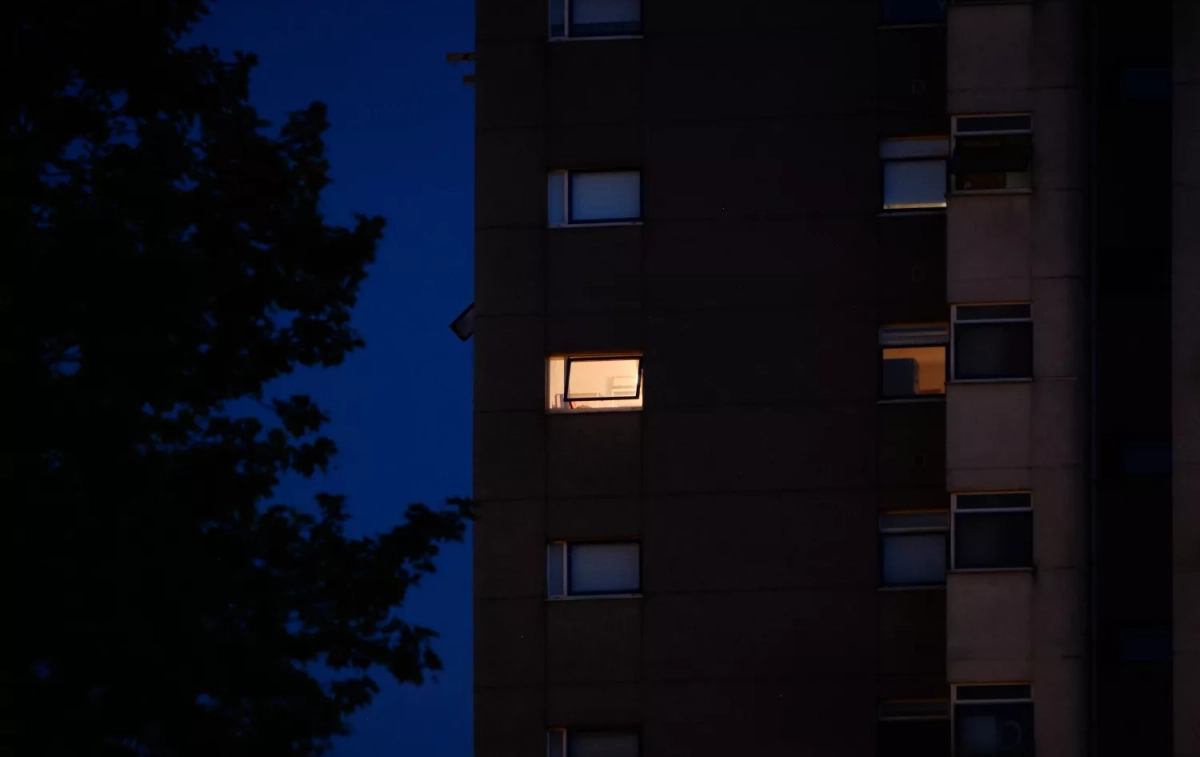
x,y
912,548
914,11
914,727
993,531
992,342
595,18
561,742
913,361
993,721
591,197
594,568
992,152
914,173
594,383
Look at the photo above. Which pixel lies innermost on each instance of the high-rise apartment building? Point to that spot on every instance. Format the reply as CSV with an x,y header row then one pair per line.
x,y
836,378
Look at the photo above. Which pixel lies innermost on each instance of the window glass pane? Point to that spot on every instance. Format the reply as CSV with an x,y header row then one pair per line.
x,y
910,184
994,730
999,161
913,559
556,743
934,147
604,745
556,18
993,350
991,312
913,336
993,540
914,11
914,371
988,501
556,200
992,123
591,381
994,691
554,570
601,18
606,196
889,521
605,568
556,383
914,738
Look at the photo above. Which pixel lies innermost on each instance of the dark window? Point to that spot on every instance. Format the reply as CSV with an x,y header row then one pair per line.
x,y
914,11
595,18
991,152
914,728
912,548
993,729
993,531
995,347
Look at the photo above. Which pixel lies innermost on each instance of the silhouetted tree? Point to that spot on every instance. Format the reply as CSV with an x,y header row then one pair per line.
x,y
164,259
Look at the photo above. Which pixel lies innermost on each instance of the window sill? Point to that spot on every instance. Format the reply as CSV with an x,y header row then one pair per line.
x,y
591,410
921,587
911,400
581,597
968,571
915,212
915,25
594,225
991,381
982,192
605,38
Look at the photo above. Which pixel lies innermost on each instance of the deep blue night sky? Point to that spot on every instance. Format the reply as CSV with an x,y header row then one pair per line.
x,y
400,146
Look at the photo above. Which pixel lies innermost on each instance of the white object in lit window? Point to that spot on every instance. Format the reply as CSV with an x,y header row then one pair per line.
x,y
593,197
594,383
593,568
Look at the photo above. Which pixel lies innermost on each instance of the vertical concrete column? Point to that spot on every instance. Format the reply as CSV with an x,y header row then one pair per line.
x,y
1185,375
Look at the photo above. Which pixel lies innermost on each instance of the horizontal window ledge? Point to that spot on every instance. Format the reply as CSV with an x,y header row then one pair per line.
x,y
991,381
590,410
920,587
969,571
924,25
911,400
981,192
578,597
900,213
594,225
605,38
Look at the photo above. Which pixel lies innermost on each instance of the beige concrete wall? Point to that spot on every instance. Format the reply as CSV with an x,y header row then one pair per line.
x,y
1185,328
1025,57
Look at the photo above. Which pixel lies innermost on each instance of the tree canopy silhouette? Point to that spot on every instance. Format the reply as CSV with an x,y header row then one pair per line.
x,y
165,259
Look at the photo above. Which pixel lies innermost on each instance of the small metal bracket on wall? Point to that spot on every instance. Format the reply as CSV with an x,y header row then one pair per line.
x,y
455,58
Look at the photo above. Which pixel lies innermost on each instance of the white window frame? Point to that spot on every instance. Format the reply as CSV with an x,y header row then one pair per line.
x,y
952,369
563,737
954,514
955,134
567,360
920,335
566,35
955,703
565,554
885,531
942,154
567,175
